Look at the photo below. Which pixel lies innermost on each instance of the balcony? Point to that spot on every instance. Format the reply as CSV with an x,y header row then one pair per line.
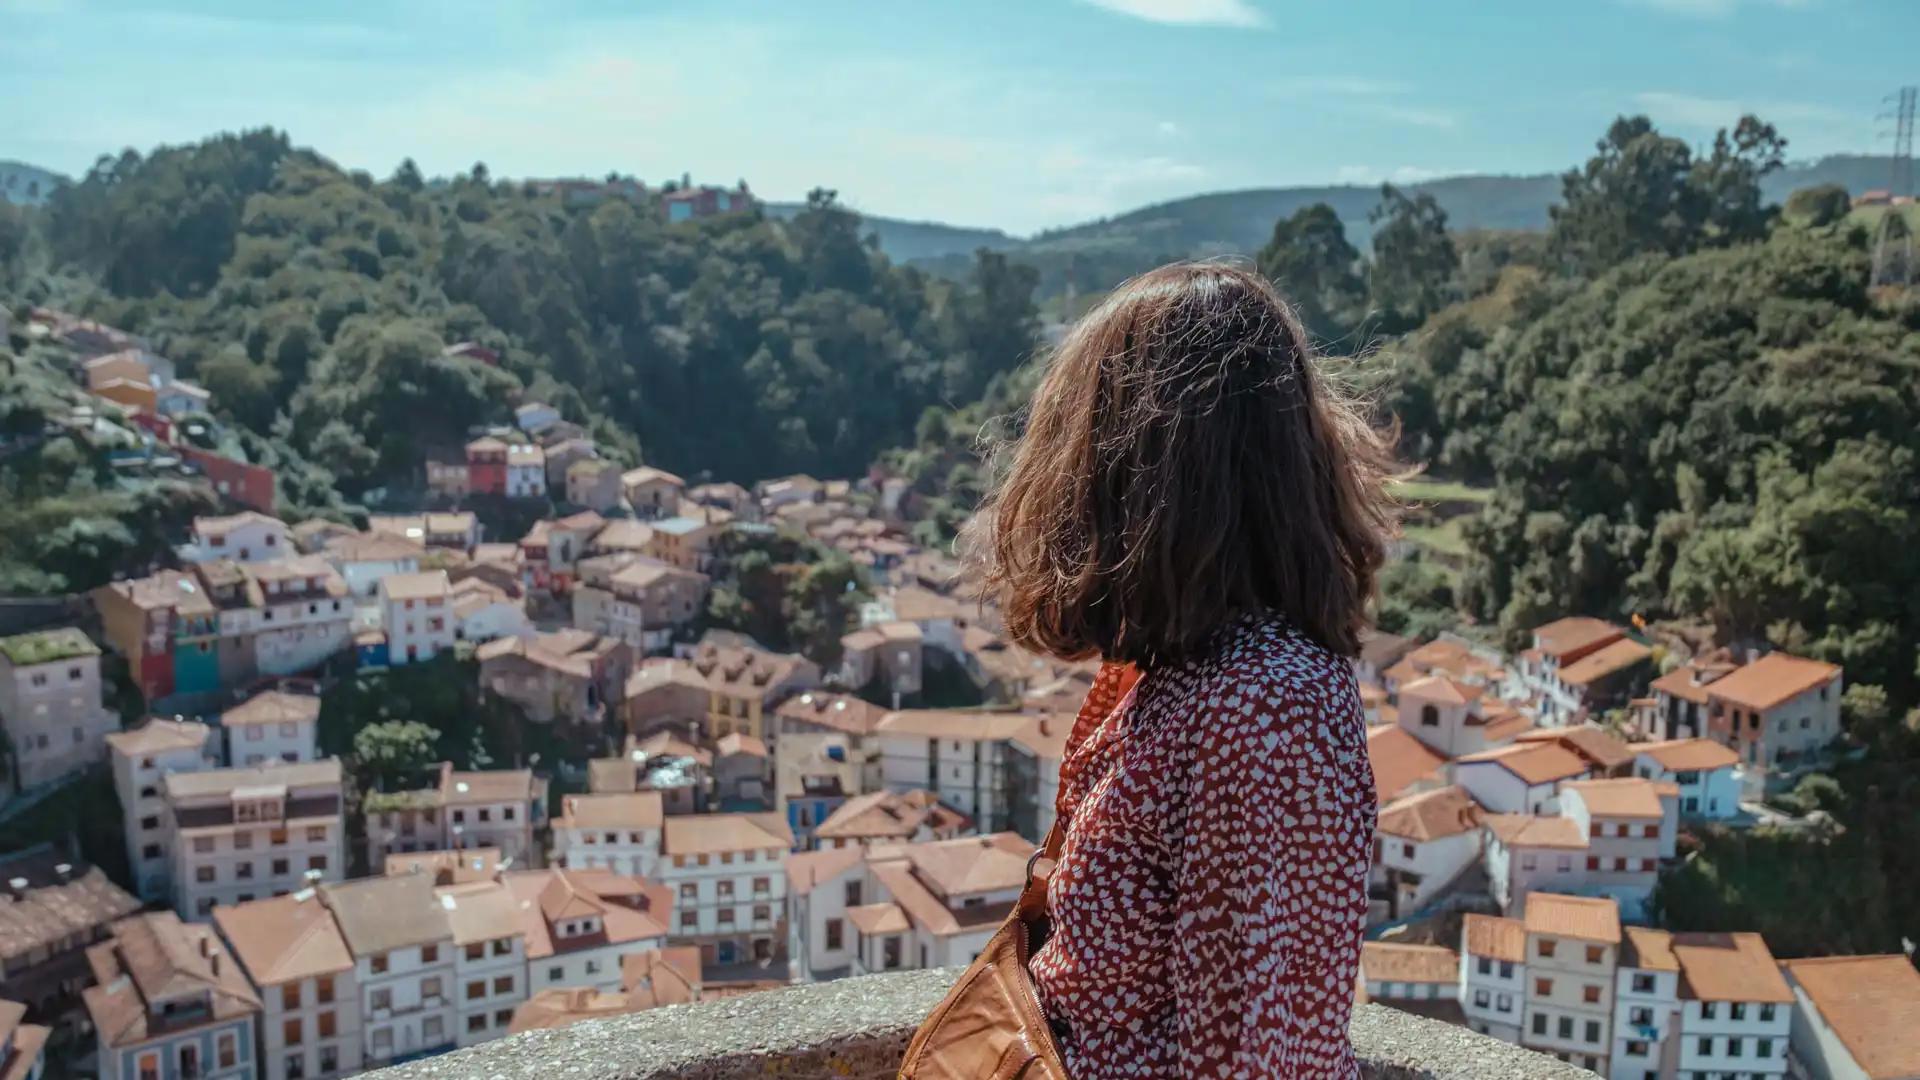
x,y
855,1029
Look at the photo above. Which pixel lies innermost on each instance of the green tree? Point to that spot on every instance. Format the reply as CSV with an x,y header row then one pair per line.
x,y
1317,270
395,750
1414,261
1822,204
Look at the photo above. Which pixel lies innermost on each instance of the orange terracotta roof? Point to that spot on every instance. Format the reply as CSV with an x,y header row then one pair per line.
x,y
1590,741
1680,683
1399,761
1443,690
1771,680
1872,1003
1574,634
809,868
953,724
1431,815
1533,762
1649,950
1728,967
1385,961
1604,661
285,938
1537,831
873,919
1628,797
1490,935
617,810
1682,755
1588,918
706,834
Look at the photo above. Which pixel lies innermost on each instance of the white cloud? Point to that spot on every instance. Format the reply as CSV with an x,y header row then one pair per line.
x,y
1714,9
1187,12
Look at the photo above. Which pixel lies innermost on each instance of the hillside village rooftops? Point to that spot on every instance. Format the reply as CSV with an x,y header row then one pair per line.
x,y
679,526
890,816
380,914
1689,682
1872,1003
561,1006
629,908
1533,762
1495,937
809,868
1628,797
274,579
154,958
446,867
479,911
159,591
1604,661
373,547
1574,635
1649,950
713,834
525,454
1728,967
158,736
1688,755
1595,744
487,786
739,742
284,939
1384,961
63,904
277,775
486,444
26,1042
425,585
273,707
1431,815
953,724
508,554
222,525
614,810
1536,831
1443,690
1399,761
1585,917
647,474
47,646
1382,650
1045,736
884,918
969,864
839,712
1771,680
585,521
624,534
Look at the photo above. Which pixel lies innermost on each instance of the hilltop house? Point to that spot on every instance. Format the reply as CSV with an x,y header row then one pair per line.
x,y
168,1000
1776,711
1578,666
140,758
50,706
245,537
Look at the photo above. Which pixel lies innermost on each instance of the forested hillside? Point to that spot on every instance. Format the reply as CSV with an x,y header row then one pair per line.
x,y
314,303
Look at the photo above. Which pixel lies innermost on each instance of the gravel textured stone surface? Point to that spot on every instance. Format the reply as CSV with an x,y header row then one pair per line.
x,y
856,1029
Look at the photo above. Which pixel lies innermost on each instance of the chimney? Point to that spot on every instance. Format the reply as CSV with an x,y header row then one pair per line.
x,y
213,961
18,887
63,872
206,947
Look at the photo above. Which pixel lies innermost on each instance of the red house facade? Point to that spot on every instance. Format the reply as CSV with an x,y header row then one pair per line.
x,y
487,466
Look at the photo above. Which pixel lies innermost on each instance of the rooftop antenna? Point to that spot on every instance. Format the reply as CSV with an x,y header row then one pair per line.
x,y
1893,239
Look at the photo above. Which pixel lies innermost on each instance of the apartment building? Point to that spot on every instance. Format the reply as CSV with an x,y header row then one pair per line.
x,y
483,611
1578,666
890,653
1493,975
1705,773
169,1001
458,530
617,832
649,600
53,909
744,684
960,756
495,808
1777,711
245,537
23,1047
567,676
1630,828
593,483
298,613
1736,1010
526,472
140,759
137,621
1410,976
580,924
415,612
1520,779
1422,845
274,725
50,706
1529,853
888,817
363,559
685,542
490,974
652,493
1676,706
403,964
725,872
248,833
1646,1007
1573,945
936,904
1841,1011
1033,757
298,961
1456,718
822,886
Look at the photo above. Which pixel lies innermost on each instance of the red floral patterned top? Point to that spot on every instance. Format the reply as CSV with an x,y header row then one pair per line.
x,y
1208,904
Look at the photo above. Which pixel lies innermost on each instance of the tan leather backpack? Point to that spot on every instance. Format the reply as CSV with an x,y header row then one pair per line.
x,y
990,1025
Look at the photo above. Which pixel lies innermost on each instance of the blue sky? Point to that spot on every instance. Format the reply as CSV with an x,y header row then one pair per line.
x,y
1020,114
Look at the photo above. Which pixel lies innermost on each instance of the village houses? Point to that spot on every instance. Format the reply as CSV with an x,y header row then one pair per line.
x,y
50,707
140,758
239,834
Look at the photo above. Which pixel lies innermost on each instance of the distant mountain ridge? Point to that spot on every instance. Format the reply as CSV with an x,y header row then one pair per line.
x,y
904,241
26,185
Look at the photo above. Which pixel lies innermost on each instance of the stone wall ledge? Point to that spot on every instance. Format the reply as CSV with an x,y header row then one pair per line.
x,y
856,1029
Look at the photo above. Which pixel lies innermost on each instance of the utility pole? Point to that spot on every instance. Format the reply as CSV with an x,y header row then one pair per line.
x,y
1893,239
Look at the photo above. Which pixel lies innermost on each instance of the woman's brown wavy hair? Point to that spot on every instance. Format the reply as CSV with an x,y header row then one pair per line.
x,y
1185,462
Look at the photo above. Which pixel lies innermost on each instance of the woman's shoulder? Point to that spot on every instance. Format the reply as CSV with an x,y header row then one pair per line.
x,y
1265,674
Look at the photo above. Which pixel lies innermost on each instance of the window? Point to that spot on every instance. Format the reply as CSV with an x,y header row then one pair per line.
x,y
1619,863
382,999
1504,1003
1506,969
476,989
202,844
1596,954
1528,862
555,974
326,1025
1636,1048
1766,1013
1735,1046
1546,947
502,946
1593,1031
189,1062
149,1067
1539,1023
503,984
760,884
243,871
689,920
1641,1015
1739,1010
148,824
279,867
835,934
1484,964
1706,1045
429,954
1480,999
228,1050
1707,1010
1543,987
1564,1027
502,1017
430,987
1590,994
476,951
296,1066
329,1059
316,834
290,1031
726,916
593,967
476,1023
378,963
1593,862
1596,829
724,887
853,894
323,989
290,996
432,1028
203,874
1763,1048
1642,984
1429,716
